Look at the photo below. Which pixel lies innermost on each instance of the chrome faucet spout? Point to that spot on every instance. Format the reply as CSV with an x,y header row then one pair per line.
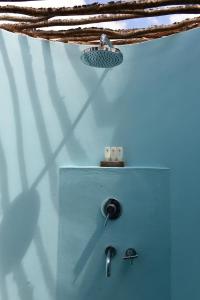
x,y
108,264
110,253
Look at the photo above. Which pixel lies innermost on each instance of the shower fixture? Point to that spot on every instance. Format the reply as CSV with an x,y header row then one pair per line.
x,y
130,254
102,56
111,209
110,252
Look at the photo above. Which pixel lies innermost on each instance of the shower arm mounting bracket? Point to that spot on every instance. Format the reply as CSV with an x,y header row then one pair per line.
x,y
104,40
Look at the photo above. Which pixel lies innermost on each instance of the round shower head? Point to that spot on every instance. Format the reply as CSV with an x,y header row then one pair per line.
x,y
102,57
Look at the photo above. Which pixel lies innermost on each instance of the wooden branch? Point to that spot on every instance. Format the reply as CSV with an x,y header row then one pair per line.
x,y
27,20
115,42
91,35
125,33
102,18
94,8
71,22
13,18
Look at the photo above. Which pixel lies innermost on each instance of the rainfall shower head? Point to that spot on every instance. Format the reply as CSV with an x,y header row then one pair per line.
x,y
103,56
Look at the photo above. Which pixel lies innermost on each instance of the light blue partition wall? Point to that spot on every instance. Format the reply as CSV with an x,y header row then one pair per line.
x,y
56,111
144,224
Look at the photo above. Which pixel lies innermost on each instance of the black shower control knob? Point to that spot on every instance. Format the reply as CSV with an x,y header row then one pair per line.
x,y
112,209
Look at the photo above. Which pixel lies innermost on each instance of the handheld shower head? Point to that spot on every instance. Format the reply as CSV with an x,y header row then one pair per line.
x,y
103,56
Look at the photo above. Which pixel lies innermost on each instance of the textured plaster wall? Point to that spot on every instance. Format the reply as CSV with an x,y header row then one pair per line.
x,y
56,111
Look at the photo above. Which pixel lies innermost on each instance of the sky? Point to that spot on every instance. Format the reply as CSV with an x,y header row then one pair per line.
x,y
137,23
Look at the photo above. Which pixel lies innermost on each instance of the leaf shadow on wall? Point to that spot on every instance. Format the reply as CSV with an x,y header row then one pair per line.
x,y
73,147
70,130
20,218
49,158
47,153
16,232
13,263
35,101
10,257
87,252
103,109
17,229
5,204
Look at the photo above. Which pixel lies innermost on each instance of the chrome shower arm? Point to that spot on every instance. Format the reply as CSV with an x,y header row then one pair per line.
x,y
104,40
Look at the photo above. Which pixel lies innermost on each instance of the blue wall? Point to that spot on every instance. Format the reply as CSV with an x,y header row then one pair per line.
x,y
83,238
56,111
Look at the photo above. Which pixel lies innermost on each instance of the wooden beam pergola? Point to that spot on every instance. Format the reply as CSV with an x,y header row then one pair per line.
x,y
44,22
